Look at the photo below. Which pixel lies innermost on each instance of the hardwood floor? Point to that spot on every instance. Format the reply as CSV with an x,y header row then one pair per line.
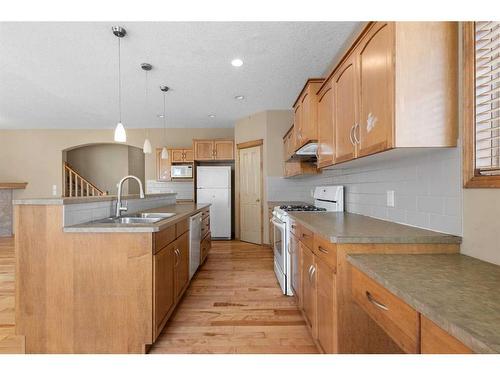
x,y
9,342
234,305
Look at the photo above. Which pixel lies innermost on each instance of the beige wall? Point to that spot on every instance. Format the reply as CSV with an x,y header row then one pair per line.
x,y
102,164
35,156
270,126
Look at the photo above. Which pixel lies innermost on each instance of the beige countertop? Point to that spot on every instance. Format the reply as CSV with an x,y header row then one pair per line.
x,y
55,201
345,227
181,210
460,294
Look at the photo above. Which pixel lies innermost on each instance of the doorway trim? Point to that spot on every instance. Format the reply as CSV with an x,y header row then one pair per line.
x,y
255,143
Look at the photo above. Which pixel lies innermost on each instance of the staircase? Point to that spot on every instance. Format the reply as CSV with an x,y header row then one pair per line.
x,y
75,185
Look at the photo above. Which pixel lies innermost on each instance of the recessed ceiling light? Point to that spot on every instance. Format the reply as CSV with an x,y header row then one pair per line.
x,y
239,97
237,62
211,115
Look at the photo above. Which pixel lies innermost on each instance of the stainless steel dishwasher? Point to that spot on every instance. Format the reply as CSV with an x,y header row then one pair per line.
x,y
194,243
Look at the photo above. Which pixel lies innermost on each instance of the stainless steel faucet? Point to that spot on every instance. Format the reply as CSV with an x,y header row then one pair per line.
x,y
119,207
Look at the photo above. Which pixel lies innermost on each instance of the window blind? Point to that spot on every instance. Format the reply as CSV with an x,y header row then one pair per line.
x,y
487,98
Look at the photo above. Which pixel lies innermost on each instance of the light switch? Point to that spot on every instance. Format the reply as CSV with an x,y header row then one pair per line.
x,y
54,190
390,198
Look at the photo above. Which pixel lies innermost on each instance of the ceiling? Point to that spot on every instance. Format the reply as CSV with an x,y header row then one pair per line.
x,y
64,75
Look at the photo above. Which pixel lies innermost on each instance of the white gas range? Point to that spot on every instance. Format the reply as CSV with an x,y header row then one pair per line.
x,y
326,198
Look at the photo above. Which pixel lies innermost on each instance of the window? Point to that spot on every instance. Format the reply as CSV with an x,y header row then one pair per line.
x,y
481,104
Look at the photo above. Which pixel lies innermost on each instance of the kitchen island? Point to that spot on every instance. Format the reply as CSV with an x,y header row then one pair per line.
x,y
87,286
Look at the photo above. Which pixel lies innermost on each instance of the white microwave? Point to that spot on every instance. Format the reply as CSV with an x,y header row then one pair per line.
x,y
181,171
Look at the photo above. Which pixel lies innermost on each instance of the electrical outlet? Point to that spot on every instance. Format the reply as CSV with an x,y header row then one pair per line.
x,y
390,198
54,190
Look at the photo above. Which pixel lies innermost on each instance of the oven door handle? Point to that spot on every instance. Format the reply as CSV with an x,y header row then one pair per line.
x,y
278,223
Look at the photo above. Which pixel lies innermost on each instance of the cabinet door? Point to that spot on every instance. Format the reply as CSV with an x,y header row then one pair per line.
x,y
205,247
308,287
224,150
297,121
345,104
325,126
326,308
295,267
309,122
203,150
286,147
163,284
188,155
376,87
177,155
162,167
182,263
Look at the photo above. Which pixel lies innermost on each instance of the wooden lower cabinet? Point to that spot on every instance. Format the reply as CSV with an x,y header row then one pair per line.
x,y
308,287
326,317
206,244
295,268
435,340
164,298
181,265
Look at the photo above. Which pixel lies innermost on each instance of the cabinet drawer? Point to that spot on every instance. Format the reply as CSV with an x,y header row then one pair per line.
x,y
435,340
305,236
205,247
181,227
326,251
205,213
163,238
205,226
399,320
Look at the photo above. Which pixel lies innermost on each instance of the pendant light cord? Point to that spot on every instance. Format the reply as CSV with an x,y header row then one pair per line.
x,y
119,83
146,101
164,116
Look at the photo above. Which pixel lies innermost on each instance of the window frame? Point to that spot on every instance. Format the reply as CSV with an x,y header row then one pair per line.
x,y
470,178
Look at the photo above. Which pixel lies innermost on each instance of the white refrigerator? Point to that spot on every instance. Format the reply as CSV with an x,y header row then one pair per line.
x,y
213,185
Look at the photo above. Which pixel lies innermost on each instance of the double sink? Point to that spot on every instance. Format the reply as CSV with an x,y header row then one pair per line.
x,y
139,218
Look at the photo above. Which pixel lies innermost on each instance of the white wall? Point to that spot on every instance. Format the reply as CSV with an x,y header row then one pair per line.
x,y
427,189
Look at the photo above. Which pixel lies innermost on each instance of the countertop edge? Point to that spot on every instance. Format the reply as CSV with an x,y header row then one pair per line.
x,y
452,329
439,238
145,228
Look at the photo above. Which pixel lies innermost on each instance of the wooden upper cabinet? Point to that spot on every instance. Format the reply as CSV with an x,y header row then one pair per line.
x,y
345,114
306,113
325,125
188,155
297,120
181,155
203,149
224,149
163,166
374,132
213,149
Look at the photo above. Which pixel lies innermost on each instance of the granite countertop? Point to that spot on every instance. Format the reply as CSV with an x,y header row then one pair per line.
x,y
55,201
345,227
181,210
460,294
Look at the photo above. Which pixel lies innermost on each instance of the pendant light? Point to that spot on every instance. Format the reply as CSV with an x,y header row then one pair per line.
x,y
164,151
120,134
147,144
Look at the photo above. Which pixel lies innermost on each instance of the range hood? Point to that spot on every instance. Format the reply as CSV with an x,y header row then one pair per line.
x,y
308,150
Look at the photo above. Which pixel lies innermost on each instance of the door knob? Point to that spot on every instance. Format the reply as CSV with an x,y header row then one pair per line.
x,y
257,200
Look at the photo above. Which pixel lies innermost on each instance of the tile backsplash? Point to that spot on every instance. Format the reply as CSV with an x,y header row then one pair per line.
x,y
184,190
427,189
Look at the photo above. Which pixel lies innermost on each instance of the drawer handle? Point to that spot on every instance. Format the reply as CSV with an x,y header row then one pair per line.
x,y
375,302
304,235
323,250
309,272
294,226
313,271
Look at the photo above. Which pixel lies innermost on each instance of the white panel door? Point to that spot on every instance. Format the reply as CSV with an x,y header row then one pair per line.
x,y
250,195
213,177
220,210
